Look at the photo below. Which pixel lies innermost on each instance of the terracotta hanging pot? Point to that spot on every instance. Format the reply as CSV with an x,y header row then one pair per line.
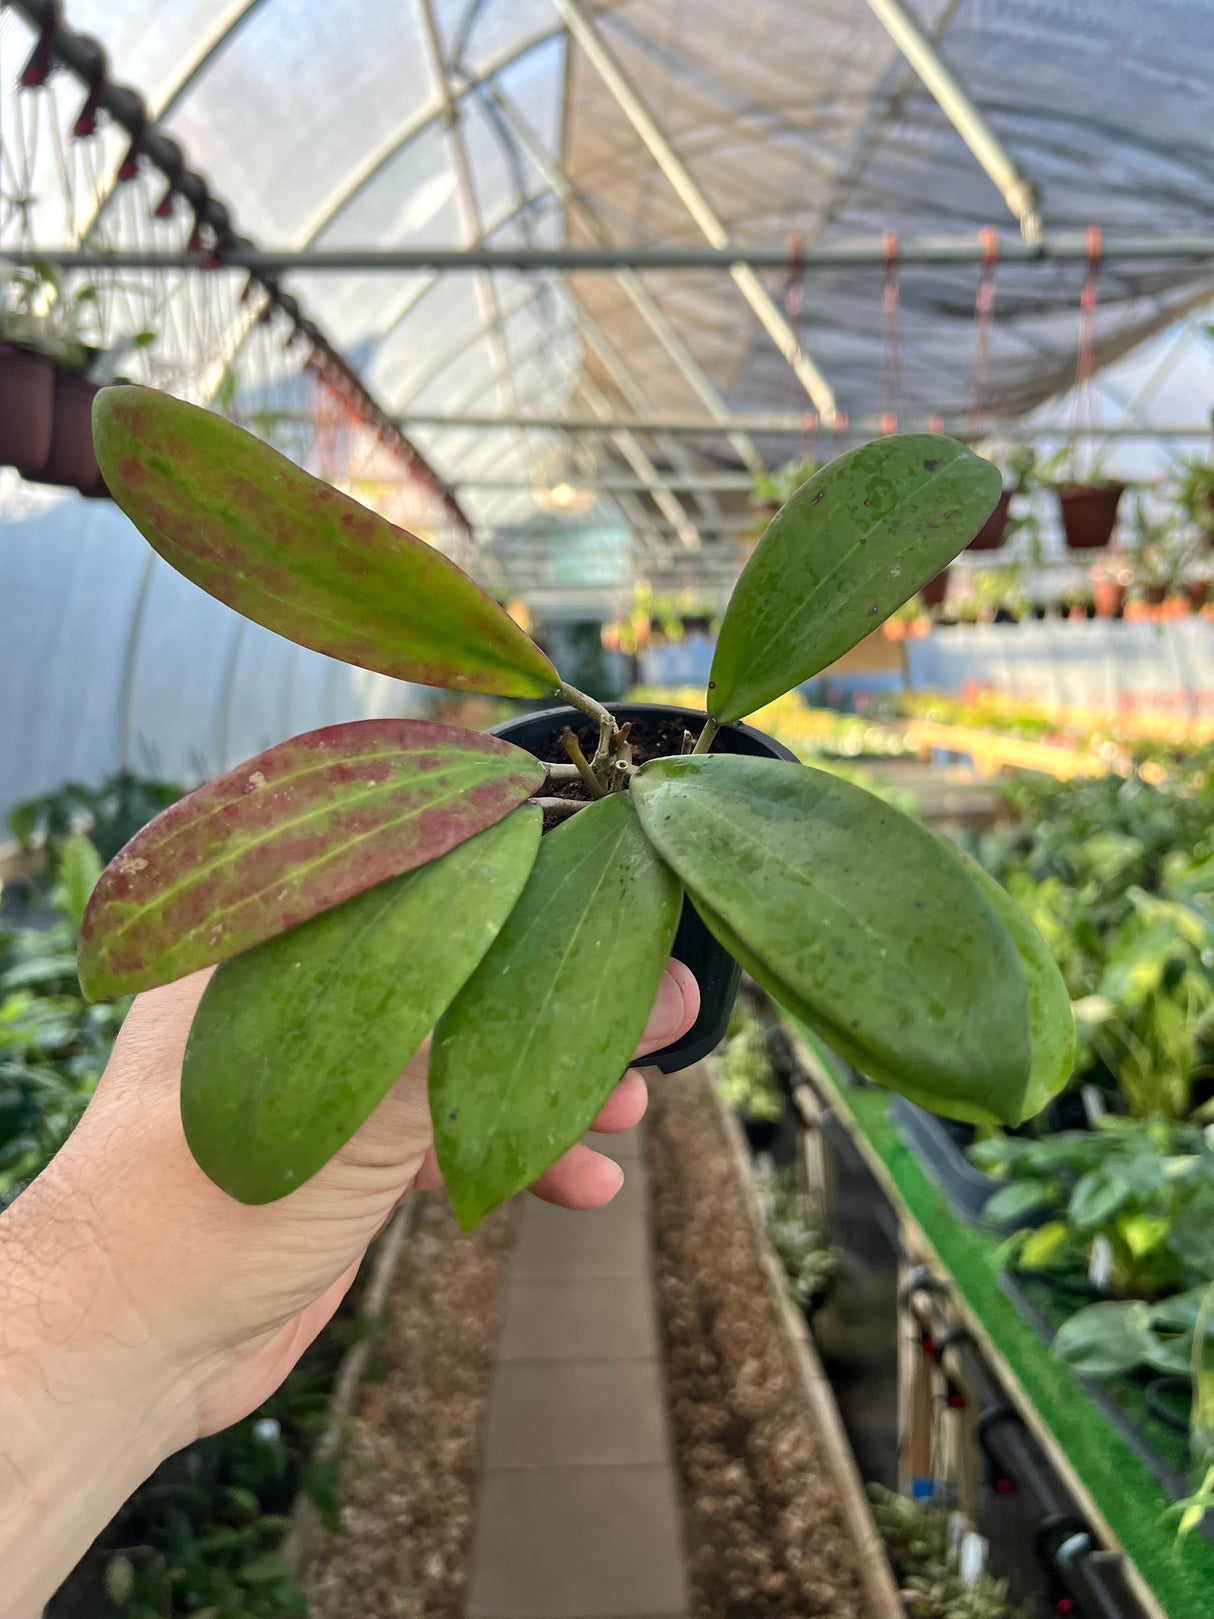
x,y
990,536
70,460
935,590
1088,513
27,405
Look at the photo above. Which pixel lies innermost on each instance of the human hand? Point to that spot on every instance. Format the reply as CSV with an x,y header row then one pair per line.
x,y
231,1295
141,1307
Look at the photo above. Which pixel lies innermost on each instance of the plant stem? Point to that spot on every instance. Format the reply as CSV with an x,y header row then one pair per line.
x,y
581,764
561,806
587,705
556,772
707,735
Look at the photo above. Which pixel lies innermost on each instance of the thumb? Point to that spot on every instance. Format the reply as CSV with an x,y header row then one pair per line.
x,y
675,1008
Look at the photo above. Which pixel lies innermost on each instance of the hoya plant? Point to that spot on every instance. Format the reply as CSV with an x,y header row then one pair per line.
x,y
363,885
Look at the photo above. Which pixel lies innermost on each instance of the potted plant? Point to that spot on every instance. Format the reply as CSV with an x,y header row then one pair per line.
x,y
1195,495
361,884
1088,507
83,369
27,369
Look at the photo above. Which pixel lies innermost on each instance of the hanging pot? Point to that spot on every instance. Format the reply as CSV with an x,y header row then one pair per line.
x,y
70,460
990,536
1110,598
1197,591
27,405
1155,595
1088,513
935,590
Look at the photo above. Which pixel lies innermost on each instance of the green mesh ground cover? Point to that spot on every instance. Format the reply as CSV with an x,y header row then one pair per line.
x,y
1119,1483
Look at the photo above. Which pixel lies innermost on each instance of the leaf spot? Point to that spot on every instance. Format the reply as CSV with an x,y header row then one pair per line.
x,y
257,780
894,572
129,864
874,609
930,466
817,497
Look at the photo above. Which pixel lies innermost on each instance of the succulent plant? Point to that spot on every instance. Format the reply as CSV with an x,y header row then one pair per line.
x,y
367,883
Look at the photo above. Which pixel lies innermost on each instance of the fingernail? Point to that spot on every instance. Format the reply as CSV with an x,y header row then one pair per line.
x,y
667,1011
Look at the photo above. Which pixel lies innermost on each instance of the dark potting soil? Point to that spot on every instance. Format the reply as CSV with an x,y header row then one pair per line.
x,y
764,1533
648,739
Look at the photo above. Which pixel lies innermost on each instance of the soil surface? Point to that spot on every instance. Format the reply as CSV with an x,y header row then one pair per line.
x,y
765,1536
648,739
410,1466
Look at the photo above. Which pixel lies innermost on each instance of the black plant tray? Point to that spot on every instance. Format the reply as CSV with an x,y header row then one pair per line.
x,y
966,1188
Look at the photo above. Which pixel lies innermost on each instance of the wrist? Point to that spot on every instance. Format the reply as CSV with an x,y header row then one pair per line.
x,y
89,1403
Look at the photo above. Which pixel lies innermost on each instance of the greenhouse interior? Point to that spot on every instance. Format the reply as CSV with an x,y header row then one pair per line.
x,y
669,551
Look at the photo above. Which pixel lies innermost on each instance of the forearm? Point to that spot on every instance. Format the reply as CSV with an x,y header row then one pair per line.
x,y
87,1407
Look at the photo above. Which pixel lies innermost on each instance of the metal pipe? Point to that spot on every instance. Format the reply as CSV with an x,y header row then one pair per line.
x,y
855,253
583,29
919,49
781,425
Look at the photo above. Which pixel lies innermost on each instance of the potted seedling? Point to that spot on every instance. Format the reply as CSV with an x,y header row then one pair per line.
x,y
366,883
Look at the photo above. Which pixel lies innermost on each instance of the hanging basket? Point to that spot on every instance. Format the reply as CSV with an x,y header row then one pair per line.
x,y
990,536
71,460
1088,513
27,405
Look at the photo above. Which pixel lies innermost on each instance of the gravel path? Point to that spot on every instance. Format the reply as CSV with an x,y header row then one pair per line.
x,y
765,1536
410,1465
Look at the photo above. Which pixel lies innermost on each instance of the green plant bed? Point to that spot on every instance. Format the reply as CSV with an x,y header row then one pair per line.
x,y
1119,1483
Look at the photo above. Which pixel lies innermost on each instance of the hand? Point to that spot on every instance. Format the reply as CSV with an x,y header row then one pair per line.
x,y
141,1307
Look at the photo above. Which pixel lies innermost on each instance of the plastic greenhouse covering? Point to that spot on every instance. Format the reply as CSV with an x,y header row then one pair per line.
x,y
325,124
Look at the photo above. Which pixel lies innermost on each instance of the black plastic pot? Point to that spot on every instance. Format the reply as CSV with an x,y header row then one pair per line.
x,y
716,972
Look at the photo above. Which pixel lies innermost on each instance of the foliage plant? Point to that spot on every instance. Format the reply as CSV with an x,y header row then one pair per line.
x,y
1118,877
925,1554
366,883
53,1044
1142,1189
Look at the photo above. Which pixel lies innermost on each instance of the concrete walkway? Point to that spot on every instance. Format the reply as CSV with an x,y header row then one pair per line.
x,y
577,1513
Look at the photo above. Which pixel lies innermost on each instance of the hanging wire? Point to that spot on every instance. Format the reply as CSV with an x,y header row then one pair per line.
x,y
891,364
1084,412
984,309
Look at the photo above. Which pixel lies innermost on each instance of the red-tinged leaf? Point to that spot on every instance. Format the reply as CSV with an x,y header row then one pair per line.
x,y
301,558
291,833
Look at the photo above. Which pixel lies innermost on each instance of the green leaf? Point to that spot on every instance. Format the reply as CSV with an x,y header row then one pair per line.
x,y
530,1050
1013,1203
1043,1246
301,558
1097,1196
854,543
1106,1339
300,828
296,1041
79,871
1051,1019
854,917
